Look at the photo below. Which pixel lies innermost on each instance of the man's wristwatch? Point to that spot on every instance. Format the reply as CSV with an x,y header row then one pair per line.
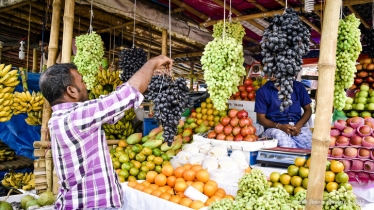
x,y
277,125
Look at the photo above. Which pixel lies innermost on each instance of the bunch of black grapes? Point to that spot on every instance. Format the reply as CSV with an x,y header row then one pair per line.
x,y
130,61
171,99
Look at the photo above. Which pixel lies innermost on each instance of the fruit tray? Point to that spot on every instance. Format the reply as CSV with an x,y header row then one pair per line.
x,y
356,165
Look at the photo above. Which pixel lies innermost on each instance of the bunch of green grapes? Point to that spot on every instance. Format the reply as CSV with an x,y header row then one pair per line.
x,y
340,199
233,29
222,62
273,198
224,204
348,50
90,51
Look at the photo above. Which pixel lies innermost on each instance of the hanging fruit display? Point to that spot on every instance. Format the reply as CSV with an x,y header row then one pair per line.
x,y
122,129
6,153
283,44
222,62
90,51
8,77
348,50
130,61
8,81
171,99
107,81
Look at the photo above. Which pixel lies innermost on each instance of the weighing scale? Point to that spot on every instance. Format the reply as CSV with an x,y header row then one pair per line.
x,y
280,156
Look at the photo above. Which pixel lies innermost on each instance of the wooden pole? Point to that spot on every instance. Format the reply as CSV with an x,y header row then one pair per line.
x,y
164,46
35,60
68,31
321,133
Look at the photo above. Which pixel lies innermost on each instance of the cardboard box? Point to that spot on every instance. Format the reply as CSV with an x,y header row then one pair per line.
x,y
249,106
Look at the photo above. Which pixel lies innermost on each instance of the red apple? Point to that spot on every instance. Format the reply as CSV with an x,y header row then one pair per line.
x,y
364,129
356,140
241,88
342,140
369,139
337,151
236,130
249,88
234,122
232,113
225,120
243,94
218,128
364,152
350,152
227,130
248,82
242,113
251,95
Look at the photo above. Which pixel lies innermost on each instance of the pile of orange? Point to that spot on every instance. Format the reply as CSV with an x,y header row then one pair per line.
x,y
170,185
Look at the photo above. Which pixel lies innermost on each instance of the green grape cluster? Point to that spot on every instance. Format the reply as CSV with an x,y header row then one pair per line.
x,y
348,50
222,62
90,51
224,204
273,198
340,199
233,29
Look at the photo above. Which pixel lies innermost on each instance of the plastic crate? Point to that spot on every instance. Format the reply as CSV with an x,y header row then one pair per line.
x,y
148,125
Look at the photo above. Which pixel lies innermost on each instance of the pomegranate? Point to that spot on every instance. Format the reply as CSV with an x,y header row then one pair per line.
x,y
253,129
227,130
350,152
337,152
241,88
335,132
236,95
248,82
225,120
251,95
236,130
239,137
242,113
243,94
356,140
221,136
249,89
218,128
212,135
232,113
340,124
234,122
244,122
229,138
249,138
245,131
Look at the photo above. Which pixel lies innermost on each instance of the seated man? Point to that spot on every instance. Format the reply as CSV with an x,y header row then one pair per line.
x,y
287,126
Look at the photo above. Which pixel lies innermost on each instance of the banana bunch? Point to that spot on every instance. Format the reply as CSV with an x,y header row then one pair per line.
x,y
122,129
34,117
25,102
108,80
6,155
19,180
6,102
8,78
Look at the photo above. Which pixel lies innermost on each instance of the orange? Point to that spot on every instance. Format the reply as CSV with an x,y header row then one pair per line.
x,y
148,190
179,180
199,186
157,193
209,189
132,183
170,191
158,160
167,187
150,177
167,170
140,187
329,176
178,172
308,162
146,183
163,189
189,175
248,170
154,186
171,181
336,166
122,143
160,180
220,194
197,204
185,202
189,183
209,202
203,175
331,186
175,199
196,168
180,186
212,182
118,170
165,196
215,197
187,166
229,197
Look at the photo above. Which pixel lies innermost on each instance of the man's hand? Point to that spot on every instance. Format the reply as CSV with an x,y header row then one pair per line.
x,y
162,64
287,128
296,131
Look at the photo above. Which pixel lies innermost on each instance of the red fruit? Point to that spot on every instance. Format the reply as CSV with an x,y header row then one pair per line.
x,y
241,88
357,165
356,122
227,130
364,130
347,164
253,129
239,137
348,131
218,128
232,113
236,130
234,122
248,82
242,113
369,139
356,140
236,95
337,152
350,152
358,81
221,136
225,120
342,140
251,95
335,132
329,152
243,94
369,166
340,124
332,141
249,89
212,135
364,152
229,138
244,122
249,138
245,131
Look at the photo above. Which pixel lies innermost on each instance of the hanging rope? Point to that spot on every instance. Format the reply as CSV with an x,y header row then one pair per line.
x,y
91,16
169,28
133,32
28,38
341,10
372,15
224,21
230,13
114,45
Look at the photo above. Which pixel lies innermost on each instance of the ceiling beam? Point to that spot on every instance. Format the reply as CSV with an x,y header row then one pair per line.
x,y
17,25
307,21
188,54
259,6
115,27
191,9
359,16
4,9
279,12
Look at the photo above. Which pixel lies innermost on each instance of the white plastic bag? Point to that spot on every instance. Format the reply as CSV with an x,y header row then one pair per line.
x,y
183,157
228,165
218,151
239,158
175,162
210,163
191,148
204,148
196,159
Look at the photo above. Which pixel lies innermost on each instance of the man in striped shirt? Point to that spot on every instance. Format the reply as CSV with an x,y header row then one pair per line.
x,y
80,152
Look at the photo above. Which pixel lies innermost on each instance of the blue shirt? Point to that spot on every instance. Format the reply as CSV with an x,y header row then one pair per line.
x,y
267,103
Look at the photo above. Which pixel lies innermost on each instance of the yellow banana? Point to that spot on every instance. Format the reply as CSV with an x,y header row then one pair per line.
x,y
1,67
99,75
6,108
5,70
8,76
6,90
104,76
28,96
10,81
13,84
23,104
30,121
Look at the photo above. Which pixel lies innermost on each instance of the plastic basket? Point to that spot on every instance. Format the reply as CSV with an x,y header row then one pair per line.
x,y
148,125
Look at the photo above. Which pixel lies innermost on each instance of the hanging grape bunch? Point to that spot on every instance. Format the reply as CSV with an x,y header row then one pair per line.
x,y
347,51
369,40
171,99
283,44
222,62
90,51
130,61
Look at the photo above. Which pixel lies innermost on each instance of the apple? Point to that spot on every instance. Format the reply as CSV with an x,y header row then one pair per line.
x,y
360,107
370,107
369,139
363,93
364,87
362,100
349,100
371,100
366,113
371,93
356,140
342,140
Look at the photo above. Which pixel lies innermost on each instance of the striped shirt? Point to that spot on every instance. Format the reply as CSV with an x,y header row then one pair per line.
x,y
80,152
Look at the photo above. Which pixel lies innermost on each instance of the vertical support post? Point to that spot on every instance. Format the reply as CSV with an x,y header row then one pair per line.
x,y
164,46
34,60
321,134
67,37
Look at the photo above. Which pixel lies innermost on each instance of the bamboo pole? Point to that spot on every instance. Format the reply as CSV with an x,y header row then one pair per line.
x,y
68,31
35,60
23,73
164,46
321,133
